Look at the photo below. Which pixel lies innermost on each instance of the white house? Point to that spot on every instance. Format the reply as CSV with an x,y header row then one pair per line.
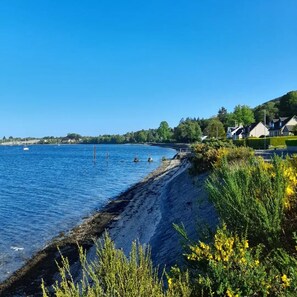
x,y
231,131
252,130
282,126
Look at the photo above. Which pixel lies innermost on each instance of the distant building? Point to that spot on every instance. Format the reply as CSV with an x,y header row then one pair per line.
x,y
252,130
231,131
256,130
282,126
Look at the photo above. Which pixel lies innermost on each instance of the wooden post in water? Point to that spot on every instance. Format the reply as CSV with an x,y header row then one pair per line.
x,y
94,156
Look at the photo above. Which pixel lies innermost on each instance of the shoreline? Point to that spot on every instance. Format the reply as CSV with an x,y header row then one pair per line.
x,y
27,280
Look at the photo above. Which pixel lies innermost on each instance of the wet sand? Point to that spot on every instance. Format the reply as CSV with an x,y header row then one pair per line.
x,y
145,212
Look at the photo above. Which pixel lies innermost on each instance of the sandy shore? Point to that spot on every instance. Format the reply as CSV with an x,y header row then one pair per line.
x,y
145,212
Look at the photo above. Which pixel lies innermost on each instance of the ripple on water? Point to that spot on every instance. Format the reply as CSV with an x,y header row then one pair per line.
x,y
50,189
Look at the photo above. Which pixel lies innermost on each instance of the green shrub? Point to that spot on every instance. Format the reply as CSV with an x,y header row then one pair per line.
x,y
228,266
239,142
217,143
264,143
205,156
250,198
291,142
258,143
280,140
112,274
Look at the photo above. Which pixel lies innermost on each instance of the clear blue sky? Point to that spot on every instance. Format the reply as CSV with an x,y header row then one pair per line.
x,y
103,66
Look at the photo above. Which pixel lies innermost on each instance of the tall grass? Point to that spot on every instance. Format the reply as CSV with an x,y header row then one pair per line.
x,y
113,274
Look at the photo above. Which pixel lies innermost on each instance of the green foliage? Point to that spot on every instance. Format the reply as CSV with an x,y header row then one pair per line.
x,y
215,129
228,266
243,114
74,136
239,142
210,153
280,141
291,142
164,131
250,198
188,131
288,104
269,108
112,274
223,116
264,143
258,143
202,123
218,143
141,136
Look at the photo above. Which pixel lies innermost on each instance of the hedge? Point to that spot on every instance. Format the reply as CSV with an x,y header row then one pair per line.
x,y
258,143
264,143
239,142
280,140
291,142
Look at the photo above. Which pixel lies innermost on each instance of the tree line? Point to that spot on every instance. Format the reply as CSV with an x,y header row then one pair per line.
x,y
192,129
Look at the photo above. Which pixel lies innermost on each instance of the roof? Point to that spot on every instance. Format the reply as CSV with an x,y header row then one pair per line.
x,y
239,131
280,118
280,123
250,127
289,128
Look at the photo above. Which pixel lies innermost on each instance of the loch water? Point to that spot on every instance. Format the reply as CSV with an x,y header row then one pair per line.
x,y
50,189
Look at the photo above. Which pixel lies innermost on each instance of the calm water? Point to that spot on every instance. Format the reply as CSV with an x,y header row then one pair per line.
x,y
50,189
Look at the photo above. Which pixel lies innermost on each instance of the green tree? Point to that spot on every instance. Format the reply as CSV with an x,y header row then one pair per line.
x,y
215,128
153,135
74,136
164,131
243,115
270,109
222,115
141,136
202,123
188,131
288,104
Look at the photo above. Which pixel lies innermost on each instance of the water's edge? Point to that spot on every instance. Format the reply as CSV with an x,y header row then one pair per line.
x,y
42,265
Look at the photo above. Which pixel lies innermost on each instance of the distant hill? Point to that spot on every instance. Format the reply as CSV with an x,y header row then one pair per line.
x,y
284,106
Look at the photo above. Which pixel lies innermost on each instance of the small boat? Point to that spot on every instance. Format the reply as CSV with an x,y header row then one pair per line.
x,y
25,148
136,160
150,159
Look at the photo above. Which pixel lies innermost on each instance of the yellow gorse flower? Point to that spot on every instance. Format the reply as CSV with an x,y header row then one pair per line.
x,y
229,293
285,280
226,249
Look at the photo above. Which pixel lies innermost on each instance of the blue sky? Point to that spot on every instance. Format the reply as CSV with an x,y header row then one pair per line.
x,y
103,66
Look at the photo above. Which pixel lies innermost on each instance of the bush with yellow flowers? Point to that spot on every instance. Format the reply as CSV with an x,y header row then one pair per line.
x,y
212,153
230,267
251,197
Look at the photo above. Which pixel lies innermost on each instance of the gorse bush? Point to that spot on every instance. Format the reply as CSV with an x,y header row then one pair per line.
x,y
228,266
208,155
251,198
258,198
112,274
